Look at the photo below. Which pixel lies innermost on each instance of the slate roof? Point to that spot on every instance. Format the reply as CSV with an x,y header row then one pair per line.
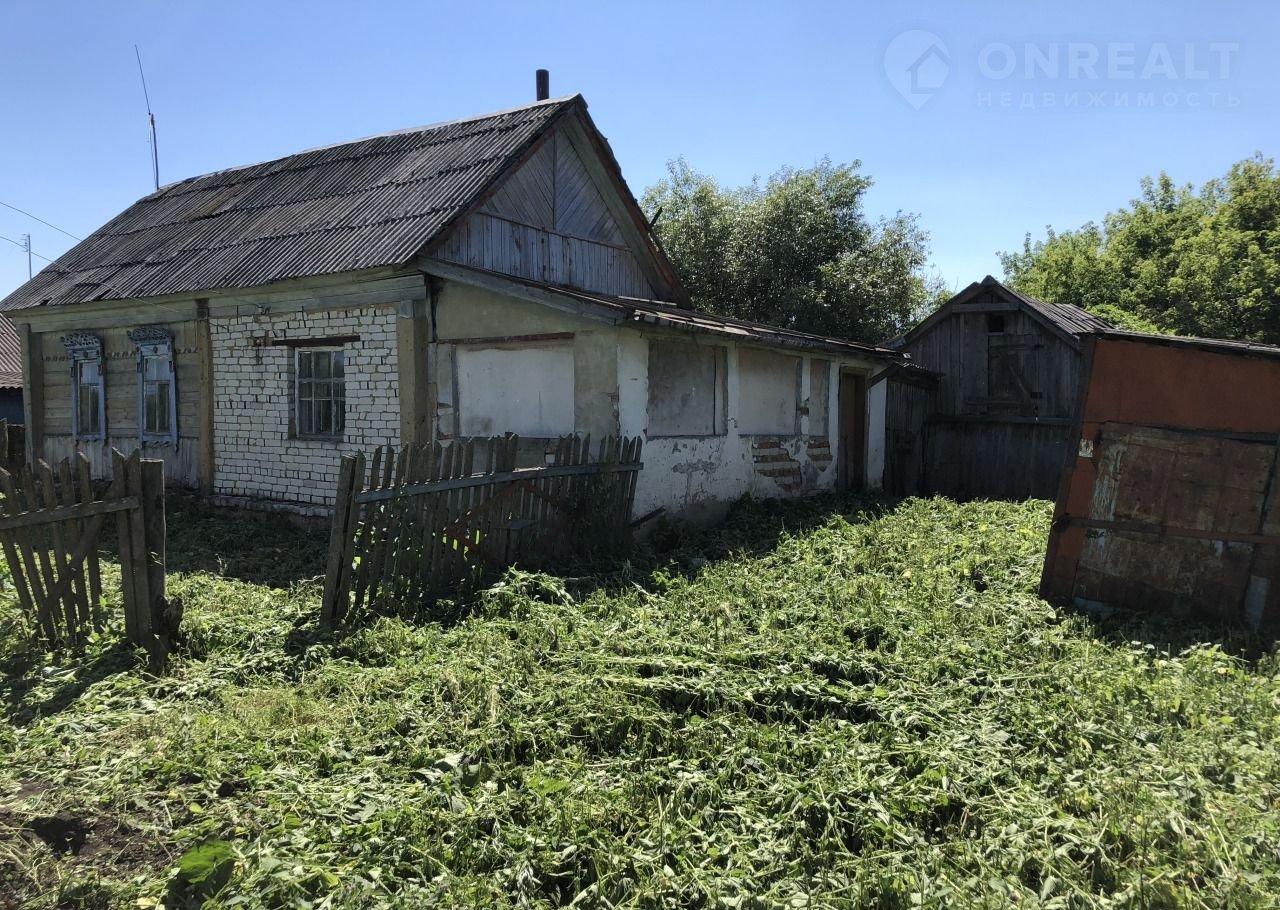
x,y
358,205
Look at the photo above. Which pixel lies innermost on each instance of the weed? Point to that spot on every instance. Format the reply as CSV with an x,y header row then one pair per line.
x,y
811,707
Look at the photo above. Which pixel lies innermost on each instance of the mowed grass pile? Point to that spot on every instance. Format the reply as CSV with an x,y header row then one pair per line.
x,y
875,711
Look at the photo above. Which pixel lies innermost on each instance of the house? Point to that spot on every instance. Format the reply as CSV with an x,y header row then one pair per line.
x,y
991,395
1170,502
473,278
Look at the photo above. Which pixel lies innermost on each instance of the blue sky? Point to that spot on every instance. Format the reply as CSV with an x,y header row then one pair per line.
x,y
1021,114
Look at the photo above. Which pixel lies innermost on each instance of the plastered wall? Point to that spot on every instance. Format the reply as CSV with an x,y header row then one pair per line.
x,y
547,352
698,477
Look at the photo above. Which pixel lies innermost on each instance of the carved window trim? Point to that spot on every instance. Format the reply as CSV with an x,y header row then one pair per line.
x,y
85,351
157,376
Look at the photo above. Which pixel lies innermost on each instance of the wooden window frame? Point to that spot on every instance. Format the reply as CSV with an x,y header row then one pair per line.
x,y
718,393
338,404
84,348
155,344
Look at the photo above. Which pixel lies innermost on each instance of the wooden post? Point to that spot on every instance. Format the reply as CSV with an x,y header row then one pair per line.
x,y
411,360
32,391
124,523
337,577
151,496
205,400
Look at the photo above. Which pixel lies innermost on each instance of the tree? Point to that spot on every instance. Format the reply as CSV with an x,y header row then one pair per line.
x,y
1176,260
797,251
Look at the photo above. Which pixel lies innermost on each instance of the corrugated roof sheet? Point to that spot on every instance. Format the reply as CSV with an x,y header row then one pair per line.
x,y
672,315
1216,345
10,356
364,204
1066,316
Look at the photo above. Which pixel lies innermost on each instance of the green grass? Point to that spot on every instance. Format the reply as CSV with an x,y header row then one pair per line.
x,y
862,711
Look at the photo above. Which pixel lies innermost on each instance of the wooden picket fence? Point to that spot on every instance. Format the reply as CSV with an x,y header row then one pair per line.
x,y
414,522
50,523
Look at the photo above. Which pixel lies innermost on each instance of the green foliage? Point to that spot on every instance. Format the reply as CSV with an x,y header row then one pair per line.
x,y
840,709
1175,261
201,873
797,251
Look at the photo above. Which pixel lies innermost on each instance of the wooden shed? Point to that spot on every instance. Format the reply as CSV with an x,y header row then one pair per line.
x,y
1009,369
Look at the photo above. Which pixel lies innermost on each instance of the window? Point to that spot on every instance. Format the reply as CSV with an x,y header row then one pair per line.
x,y
519,387
157,398
320,393
769,390
88,401
686,389
995,323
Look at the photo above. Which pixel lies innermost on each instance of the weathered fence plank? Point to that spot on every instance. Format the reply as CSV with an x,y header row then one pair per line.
x,y
425,520
50,522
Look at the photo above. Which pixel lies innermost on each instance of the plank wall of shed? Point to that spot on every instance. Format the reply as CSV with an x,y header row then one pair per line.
x,y
972,445
550,222
957,347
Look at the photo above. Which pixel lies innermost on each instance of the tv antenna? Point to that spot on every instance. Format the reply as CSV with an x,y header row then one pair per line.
x,y
151,119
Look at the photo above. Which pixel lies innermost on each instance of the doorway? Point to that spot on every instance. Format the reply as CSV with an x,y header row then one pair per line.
x,y
851,470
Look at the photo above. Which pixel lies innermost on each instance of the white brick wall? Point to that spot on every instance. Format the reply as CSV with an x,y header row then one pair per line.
x,y
254,455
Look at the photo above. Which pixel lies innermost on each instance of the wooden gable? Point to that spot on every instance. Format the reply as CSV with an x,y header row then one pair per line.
x,y
997,358
558,218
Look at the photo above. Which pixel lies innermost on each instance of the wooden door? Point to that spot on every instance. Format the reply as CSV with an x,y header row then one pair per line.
x,y
851,469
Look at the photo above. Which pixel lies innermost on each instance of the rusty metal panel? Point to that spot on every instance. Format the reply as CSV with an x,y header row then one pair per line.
x,y
1171,499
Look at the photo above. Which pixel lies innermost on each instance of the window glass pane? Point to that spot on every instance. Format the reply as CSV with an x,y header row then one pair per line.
x,y
149,407
88,409
88,371
305,424
164,403
319,392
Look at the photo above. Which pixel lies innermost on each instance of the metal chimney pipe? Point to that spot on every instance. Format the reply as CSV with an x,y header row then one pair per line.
x,y
544,84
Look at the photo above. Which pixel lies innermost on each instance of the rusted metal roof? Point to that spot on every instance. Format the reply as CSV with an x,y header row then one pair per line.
x,y
1222,345
366,204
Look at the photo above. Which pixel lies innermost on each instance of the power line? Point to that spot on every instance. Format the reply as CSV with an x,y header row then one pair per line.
x,y
23,246
41,220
